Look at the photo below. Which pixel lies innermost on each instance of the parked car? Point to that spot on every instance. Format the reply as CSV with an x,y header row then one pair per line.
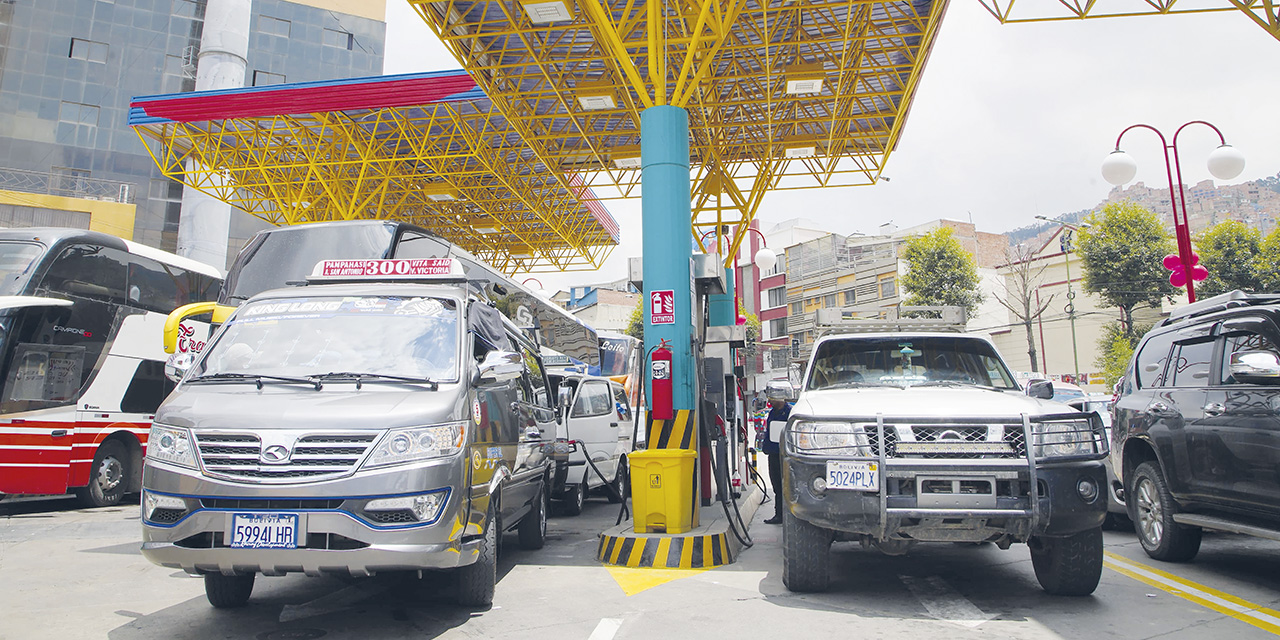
x,y
599,417
1101,404
1196,431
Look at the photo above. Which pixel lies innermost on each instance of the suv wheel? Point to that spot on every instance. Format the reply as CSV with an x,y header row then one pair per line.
x,y
225,592
477,580
1070,566
1152,508
533,528
806,550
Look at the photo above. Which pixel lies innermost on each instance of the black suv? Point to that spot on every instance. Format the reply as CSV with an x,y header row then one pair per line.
x,y
1196,426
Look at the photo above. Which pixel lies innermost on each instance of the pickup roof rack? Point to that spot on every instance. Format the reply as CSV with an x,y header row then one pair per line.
x,y
1229,300
869,319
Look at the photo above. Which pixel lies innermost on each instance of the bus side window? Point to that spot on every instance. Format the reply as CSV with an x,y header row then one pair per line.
x,y
148,388
153,286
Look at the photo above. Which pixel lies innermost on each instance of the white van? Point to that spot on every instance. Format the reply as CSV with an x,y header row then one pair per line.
x,y
600,419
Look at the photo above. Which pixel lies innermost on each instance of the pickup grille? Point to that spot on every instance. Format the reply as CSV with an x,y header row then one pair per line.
x,y
312,457
955,441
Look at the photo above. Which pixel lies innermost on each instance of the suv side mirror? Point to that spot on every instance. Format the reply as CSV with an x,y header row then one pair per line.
x,y
1042,389
1258,367
178,364
501,366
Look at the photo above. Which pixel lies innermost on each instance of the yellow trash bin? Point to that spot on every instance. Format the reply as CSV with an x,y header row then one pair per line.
x,y
662,489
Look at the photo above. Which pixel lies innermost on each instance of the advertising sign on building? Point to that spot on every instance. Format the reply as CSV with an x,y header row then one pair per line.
x,y
662,307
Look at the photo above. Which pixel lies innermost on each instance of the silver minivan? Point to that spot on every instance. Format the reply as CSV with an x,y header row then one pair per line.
x,y
353,426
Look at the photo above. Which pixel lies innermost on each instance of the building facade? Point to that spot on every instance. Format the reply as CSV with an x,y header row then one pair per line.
x,y
69,68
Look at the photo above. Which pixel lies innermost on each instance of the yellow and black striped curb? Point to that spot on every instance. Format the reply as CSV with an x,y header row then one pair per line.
x,y
671,552
672,434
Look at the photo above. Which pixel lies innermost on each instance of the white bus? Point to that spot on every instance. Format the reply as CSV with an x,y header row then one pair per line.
x,y
81,358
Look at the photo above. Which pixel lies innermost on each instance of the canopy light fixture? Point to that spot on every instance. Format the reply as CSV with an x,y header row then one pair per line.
x,y
440,193
805,78
548,11
595,96
800,152
626,157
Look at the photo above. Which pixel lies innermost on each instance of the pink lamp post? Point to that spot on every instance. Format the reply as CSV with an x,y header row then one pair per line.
x,y
1225,163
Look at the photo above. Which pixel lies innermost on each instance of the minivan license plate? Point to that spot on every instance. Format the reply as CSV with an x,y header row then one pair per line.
x,y
858,476
264,531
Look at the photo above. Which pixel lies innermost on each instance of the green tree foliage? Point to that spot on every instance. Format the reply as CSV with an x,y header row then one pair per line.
x,y
635,325
1115,349
940,272
1229,251
1267,263
1123,252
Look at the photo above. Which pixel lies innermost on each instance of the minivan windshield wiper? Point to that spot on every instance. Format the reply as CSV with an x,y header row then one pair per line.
x,y
374,377
257,379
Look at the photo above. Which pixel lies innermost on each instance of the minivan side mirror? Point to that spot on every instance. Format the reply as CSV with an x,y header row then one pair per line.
x,y
1042,389
1258,367
178,364
500,366
565,399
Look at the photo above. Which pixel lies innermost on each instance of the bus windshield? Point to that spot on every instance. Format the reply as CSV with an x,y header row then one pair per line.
x,y
907,361
615,355
16,259
374,335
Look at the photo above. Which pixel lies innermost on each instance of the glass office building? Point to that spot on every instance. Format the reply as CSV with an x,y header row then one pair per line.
x,y
68,69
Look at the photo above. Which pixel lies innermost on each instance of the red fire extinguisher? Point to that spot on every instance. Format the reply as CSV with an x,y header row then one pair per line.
x,y
660,376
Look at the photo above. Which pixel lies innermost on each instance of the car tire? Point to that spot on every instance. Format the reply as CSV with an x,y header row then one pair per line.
x,y
228,592
806,552
533,527
621,483
478,580
575,499
1152,508
1070,566
108,477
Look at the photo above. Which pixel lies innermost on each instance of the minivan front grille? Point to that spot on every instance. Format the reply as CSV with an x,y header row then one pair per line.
x,y
312,456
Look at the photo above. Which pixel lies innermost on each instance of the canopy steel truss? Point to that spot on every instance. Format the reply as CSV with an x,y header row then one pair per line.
x,y
1265,13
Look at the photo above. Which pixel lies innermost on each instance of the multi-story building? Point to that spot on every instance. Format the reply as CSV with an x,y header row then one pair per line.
x,y
605,307
69,68
1255,203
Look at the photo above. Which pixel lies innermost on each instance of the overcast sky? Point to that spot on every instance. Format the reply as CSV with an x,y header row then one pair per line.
x,y
1013,121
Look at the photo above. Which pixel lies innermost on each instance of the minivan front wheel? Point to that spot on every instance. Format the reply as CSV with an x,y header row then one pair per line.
x,y
225,592
575,499
621,483
477,581
1153,508
533,528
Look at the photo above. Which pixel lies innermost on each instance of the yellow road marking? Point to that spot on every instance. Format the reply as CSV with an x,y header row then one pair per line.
x,y
634,580
1224,603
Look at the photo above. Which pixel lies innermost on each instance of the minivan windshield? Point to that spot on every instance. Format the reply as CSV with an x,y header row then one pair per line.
x,y
414,337
908,361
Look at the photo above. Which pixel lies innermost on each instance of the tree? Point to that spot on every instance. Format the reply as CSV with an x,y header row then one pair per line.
x,y
1229,250
635,325
940,272
1123,251
1115,349
1267,263
749,352
1020,284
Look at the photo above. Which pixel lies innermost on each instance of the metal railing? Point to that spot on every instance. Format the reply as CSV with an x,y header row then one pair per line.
x,y
66,184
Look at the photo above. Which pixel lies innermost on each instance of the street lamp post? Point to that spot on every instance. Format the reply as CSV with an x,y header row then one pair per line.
x,y
1225,163
1071,294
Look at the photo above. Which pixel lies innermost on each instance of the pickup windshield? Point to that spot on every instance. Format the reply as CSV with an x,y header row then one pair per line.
x,y
376,335
907,361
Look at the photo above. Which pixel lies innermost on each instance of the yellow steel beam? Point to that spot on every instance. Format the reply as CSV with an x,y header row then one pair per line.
x,y
1264,13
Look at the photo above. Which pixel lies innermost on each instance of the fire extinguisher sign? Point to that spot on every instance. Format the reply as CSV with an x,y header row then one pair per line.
x,y
662,307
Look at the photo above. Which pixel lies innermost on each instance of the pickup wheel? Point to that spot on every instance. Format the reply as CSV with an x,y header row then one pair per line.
x,y
533,528
806,550
575,499
1152,508
1070,566
621,483
226,592
476,581
107,479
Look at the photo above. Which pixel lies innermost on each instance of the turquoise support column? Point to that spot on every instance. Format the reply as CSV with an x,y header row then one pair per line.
x,y
723,312
665,207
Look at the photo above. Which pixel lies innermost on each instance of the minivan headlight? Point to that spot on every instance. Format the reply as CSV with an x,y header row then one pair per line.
x,y
1063,439
831,438
171,445
399,446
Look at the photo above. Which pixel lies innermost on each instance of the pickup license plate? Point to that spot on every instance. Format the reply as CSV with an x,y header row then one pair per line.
x,y
264,531
858,476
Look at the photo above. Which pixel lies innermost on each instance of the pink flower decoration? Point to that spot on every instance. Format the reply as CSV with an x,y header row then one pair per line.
x,y
1178,277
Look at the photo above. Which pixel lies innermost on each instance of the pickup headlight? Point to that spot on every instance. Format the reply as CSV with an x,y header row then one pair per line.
x,y
171,445
1063,439
831,438
419,443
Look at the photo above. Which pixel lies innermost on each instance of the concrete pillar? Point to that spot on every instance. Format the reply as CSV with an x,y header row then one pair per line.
x,y
205,223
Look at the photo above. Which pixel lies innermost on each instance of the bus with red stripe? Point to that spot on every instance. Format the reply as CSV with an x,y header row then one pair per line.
x,y
81,357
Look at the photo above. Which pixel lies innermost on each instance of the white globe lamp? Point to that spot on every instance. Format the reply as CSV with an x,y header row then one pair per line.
x,y
1118,168
1226,162
766,259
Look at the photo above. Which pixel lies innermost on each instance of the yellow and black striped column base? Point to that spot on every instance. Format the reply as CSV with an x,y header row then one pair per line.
x,y
672,434
669,552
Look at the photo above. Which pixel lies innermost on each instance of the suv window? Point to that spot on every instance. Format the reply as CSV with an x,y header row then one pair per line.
x,y
1152,360
1191,369
593,400
1243,341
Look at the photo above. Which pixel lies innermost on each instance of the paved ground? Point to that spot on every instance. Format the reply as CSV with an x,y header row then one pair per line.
x,y
69,573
